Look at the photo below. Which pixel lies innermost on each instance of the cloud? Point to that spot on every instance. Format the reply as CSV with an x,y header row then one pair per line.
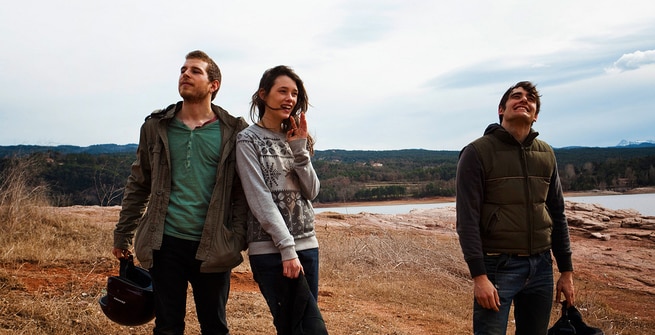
x,y
381,74
587,59
632,61
594,111
360,22
499,73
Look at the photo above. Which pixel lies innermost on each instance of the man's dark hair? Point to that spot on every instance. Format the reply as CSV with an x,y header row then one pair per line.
x,y
213,72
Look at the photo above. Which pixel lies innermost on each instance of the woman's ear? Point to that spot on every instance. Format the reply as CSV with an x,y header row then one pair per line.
x,y
261,93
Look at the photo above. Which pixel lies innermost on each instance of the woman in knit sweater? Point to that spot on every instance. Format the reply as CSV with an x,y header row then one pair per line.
x,y
273,160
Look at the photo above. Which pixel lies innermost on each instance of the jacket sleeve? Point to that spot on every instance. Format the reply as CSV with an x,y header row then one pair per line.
x,y
309,183
260,199
561,243
135,197
239,210
469,197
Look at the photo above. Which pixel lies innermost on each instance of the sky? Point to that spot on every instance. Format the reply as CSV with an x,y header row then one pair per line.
x,y
380,74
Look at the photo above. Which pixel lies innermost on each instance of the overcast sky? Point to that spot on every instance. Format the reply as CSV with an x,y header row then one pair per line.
x,y
380,74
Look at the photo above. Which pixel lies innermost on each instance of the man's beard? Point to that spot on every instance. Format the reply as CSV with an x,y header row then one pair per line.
x,y
193,96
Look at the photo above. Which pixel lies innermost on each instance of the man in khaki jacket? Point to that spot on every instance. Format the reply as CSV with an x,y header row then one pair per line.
x,y
185,202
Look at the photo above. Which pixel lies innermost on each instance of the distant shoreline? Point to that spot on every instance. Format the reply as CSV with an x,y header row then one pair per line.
x,y
638,190
438,200
430,200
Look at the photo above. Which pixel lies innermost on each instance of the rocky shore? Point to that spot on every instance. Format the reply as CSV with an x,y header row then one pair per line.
x,y
602,223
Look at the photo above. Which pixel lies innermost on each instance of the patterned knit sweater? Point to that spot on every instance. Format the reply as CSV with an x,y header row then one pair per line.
x,y
279,182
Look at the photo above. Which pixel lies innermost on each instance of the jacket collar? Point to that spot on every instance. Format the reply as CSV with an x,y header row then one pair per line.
x,y
498,131
170,111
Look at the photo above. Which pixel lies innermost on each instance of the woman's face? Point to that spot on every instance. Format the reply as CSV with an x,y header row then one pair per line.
x,y
282,98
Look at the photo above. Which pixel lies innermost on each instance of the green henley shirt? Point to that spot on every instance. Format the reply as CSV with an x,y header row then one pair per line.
x,y
194,159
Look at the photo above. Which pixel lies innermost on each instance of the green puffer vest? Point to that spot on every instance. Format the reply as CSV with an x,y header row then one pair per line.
x,y
514,216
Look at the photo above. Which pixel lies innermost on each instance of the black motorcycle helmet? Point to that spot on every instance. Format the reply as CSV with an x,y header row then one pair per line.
x,y
129,300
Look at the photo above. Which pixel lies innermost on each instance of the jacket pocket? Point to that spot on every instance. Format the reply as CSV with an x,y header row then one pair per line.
x,y
143,241
225,252
490,220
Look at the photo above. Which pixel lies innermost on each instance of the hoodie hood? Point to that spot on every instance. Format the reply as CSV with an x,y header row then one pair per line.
x,y
498,130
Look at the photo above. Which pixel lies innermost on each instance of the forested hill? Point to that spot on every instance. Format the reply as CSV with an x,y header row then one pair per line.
x,y
96,175
567,153
12,150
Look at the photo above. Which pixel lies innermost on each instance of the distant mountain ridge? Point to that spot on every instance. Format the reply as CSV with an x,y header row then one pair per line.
x,y
646,143
111,148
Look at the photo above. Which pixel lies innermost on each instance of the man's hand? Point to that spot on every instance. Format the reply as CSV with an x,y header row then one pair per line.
x,y
565,286
120,253
485,293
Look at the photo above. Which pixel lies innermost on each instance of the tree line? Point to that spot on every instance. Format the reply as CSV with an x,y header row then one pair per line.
x,y
98,178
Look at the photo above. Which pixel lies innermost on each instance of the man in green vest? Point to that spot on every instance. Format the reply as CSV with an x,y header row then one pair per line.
x,y
511,222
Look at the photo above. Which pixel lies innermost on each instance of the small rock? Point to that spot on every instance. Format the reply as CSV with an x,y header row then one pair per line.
x,y
604,237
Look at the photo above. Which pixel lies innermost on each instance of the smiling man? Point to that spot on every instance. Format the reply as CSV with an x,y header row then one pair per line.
x,y
511,222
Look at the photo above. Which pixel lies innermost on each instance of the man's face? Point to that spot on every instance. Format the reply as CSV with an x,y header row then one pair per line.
x,y
521,106
194,84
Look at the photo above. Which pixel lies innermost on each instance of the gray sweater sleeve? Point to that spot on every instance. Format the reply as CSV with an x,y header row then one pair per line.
x,y
309,183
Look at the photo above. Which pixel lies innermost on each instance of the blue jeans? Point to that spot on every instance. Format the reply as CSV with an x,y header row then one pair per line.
x,y
174,267
267,271
525,280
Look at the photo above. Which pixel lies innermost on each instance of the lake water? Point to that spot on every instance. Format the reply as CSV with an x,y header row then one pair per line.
x,y
644,203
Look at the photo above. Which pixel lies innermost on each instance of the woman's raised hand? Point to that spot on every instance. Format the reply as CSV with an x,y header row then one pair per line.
x,y
297,131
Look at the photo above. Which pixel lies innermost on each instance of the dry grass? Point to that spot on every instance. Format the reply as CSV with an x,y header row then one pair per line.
x,y
404,281
374,280
31,230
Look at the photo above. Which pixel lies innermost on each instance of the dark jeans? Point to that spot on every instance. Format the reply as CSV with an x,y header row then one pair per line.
x,y
528,282
267,271
174,267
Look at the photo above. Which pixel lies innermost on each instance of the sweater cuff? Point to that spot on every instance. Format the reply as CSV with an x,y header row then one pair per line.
x,y
564,263
288,253
298,144
476,267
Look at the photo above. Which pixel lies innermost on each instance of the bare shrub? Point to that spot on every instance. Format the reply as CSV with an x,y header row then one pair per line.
x,y
20,193
30,229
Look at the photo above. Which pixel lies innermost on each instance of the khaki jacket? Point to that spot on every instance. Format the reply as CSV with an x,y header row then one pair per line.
x,y
148,191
